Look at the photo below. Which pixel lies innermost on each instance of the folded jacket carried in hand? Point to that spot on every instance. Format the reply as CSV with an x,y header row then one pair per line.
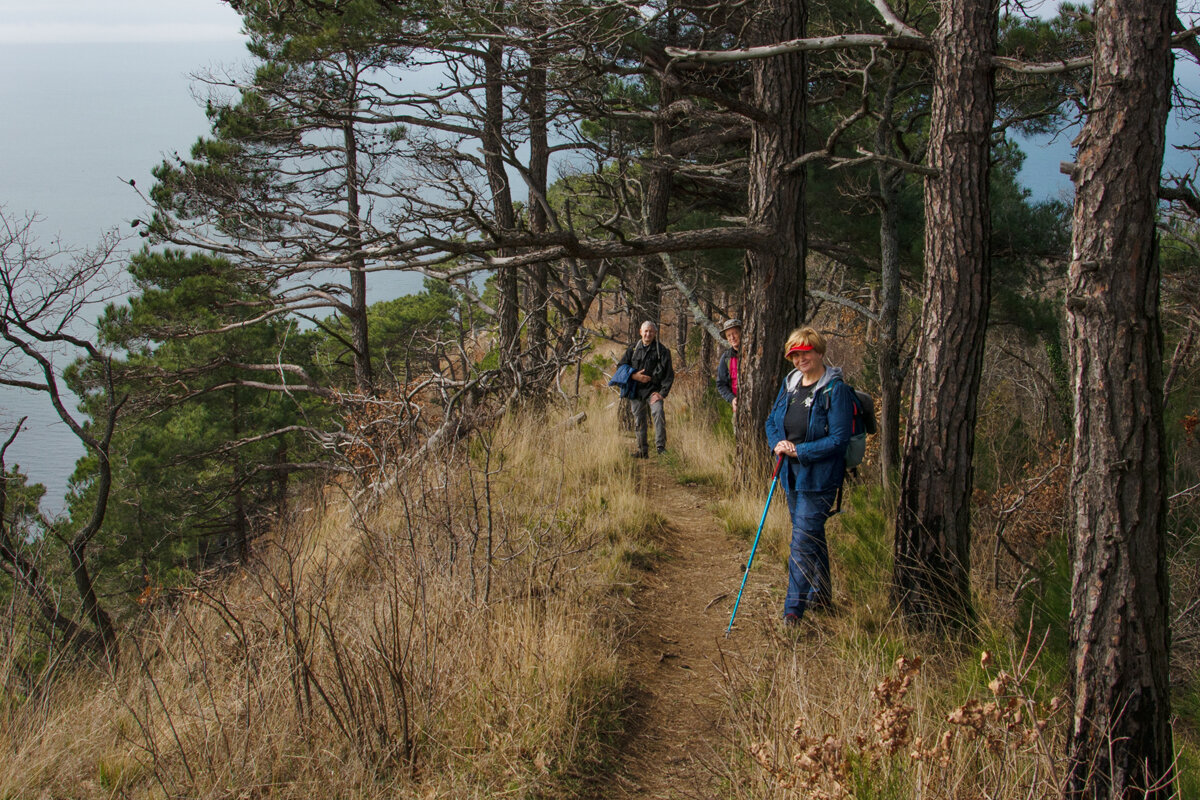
x,y
622,378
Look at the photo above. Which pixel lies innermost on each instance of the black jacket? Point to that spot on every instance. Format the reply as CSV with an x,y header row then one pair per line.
x,y
656,361
724,378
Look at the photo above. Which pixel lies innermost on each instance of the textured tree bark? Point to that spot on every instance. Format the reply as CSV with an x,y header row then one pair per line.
x,y
774,275
506,279
656,200
539,164
890,378
646,299
932,547
241,520
890,181
1120,739
706,343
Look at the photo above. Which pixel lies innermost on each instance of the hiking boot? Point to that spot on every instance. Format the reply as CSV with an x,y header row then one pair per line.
x,y
662,451
791,620
639,454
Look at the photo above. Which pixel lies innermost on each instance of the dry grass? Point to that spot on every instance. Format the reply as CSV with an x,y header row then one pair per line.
x,y
456,643
452,643
702,452
859,726
853,706
699,437
826,714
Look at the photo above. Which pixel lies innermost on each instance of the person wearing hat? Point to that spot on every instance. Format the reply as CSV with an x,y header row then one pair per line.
x,y
809,426
727,367
653,375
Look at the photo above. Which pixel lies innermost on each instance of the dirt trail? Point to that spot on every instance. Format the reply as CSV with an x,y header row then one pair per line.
x,y
678,655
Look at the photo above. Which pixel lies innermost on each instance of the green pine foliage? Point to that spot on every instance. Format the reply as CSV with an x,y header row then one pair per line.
x,y
201,459
207,453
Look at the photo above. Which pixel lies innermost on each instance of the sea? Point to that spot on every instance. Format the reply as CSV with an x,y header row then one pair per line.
x,y
79,122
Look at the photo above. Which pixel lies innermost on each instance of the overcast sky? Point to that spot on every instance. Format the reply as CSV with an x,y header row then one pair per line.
x,y
66,21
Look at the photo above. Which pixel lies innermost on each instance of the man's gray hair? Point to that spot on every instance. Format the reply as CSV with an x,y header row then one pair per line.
x,y
653,327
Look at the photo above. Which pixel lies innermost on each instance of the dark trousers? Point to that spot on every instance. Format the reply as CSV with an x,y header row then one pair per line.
x,y
641,410
808,564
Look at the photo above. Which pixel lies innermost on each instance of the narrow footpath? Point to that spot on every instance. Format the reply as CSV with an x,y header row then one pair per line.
x,y
678,657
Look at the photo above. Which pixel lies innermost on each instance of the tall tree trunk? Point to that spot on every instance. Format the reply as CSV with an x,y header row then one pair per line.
x,y
506,279
646,295
706,342
85,584
891,181
539,164
890,378
933,534
774,276
1120,739
364,377
656,201
241,522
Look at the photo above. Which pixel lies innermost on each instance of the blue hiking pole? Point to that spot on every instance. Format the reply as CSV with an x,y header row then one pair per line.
x,y
754,549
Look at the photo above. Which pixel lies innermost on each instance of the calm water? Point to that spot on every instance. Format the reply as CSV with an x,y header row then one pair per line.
x,y
76,123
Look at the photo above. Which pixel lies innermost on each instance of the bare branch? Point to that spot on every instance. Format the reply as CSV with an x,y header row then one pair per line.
x,y
1042,68
842,42
693,303
845,301
898,26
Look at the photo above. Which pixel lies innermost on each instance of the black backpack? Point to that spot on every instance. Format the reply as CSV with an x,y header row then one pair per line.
x,y
862,422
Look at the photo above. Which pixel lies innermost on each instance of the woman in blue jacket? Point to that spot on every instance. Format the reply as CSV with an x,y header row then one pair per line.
x,y
809,426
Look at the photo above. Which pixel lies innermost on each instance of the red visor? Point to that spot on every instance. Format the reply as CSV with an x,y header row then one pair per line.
x,y
797,348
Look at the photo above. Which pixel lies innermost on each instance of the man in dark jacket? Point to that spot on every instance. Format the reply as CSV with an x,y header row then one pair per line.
x,y
651,364
727,367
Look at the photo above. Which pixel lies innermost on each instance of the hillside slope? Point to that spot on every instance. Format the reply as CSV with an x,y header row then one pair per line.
x,y
535,614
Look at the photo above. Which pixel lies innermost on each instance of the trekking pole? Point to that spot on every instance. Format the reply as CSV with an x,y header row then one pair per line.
x,y
754,548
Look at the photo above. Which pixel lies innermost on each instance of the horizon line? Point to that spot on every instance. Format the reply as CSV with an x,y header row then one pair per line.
x,y
67,33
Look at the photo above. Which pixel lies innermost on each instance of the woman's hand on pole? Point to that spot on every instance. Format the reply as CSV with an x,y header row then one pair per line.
x,y
785,448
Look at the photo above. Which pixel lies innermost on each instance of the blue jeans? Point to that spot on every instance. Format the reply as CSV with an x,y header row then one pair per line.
x,y
808,564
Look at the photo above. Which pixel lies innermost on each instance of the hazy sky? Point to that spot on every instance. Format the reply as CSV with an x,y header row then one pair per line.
x,y
54,21
67,21
95,92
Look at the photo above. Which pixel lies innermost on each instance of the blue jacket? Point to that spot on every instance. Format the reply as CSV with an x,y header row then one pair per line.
x,y
621,378
820,463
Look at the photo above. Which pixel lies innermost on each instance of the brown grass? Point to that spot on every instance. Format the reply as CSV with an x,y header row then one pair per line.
x,y
453,643
457,642
837,710
854,706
